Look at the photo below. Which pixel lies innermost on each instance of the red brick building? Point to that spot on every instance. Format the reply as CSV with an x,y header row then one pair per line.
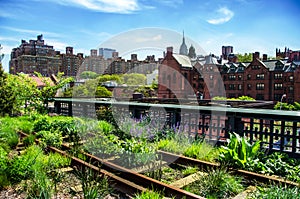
x,y
181,77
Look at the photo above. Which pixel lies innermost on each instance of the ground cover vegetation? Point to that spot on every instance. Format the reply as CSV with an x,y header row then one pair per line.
x,y
132,143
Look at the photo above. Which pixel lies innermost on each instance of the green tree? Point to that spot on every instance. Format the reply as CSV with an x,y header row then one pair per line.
x,y
88,75
134,79
247,57
104,78
7,95
49,90
102,92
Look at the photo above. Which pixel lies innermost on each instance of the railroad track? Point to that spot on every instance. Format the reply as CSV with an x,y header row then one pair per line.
x,y
131,182
123,179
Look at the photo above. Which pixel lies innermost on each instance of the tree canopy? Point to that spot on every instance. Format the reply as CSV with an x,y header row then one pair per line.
x,y
247,57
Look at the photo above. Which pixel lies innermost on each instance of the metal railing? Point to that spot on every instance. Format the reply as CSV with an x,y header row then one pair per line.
x,y
277,130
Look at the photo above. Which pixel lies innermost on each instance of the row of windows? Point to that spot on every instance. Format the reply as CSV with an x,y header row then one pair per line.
x,y
259,86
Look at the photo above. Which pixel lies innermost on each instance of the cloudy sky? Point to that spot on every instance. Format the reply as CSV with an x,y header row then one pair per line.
x,y
249,26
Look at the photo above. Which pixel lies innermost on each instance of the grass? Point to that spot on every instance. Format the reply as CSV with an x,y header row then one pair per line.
x,y
148,195
202,151
217,183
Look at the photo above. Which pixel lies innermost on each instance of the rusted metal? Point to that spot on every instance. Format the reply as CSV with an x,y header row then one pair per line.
x,y
180,159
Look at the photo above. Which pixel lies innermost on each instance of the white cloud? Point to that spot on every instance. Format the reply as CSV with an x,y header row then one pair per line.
x,y
224,15
110,6
34,32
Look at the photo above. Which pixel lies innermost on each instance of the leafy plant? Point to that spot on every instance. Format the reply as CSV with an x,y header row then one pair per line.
x,y
238,151
275,192
49,138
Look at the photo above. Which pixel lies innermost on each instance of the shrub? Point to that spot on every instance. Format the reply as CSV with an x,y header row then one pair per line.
x,y
202,151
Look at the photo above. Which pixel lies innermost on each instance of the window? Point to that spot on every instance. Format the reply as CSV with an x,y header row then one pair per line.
x,y
231,77
255,67
277,86
248,76
291,89
260,86
259,96
224,77
249,86
291,78
260,76
240,87
277,97
211,77
231,87
278,76
240,77
174,78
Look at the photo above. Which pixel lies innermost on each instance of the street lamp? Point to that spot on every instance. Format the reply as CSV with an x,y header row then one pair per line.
x,y
284,95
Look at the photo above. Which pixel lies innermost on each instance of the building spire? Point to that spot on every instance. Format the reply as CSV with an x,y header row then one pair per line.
x,y
183,48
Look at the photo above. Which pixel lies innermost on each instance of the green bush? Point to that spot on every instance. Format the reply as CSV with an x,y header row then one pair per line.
x,y
49,138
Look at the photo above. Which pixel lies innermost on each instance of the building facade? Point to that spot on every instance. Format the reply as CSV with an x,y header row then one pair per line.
x,y
33,56
260,79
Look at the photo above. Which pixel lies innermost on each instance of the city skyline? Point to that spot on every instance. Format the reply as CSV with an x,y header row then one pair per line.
x,y
248,26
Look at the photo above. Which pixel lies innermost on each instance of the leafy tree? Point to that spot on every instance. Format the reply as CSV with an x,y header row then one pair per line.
x,y
102,92
114,77
134,79
247,57
88,75
49,90
7,95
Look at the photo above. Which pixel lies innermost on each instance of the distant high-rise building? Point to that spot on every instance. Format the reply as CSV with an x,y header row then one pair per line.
x,y
70,62
226,50
94,52
107,53
34,56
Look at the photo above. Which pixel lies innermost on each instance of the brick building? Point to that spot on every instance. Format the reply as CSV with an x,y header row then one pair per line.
x,y
36,56
33,56
261,79
71,62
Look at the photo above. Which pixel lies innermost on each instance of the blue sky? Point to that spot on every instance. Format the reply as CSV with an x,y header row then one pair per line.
x,y
249,26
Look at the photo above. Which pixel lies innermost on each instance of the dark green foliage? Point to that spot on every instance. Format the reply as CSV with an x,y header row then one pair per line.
x,y
276,164
7,95
29,140
276,192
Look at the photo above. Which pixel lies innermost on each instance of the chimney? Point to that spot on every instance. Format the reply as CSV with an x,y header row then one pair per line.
x,y
169,51
265,57
255,56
